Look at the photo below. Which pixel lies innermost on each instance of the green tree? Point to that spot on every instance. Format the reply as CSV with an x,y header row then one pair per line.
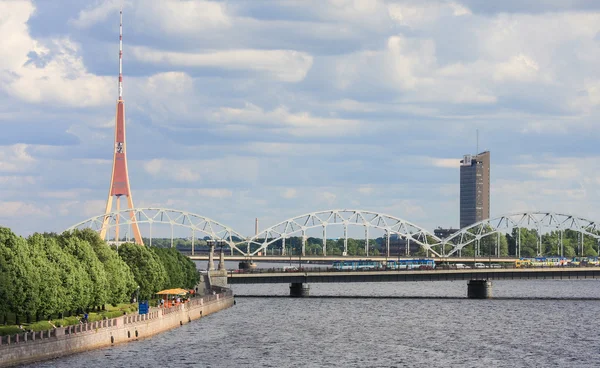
x,y
119,276
191,277
74,281
20,280
174,271
148,272
489,243
85,257
49,286
529,242
8,286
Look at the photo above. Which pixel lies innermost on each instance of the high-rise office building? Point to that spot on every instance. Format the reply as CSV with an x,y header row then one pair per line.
x,y
474,188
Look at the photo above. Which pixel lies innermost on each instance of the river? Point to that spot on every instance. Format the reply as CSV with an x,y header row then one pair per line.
x,y
536,323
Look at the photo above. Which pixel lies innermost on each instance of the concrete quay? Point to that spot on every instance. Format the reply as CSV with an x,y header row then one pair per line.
x,y
31,347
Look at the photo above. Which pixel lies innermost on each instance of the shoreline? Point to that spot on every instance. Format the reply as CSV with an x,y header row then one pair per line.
x,y
30,347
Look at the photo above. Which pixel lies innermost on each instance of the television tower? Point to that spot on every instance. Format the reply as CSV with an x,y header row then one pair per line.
x,y
119,181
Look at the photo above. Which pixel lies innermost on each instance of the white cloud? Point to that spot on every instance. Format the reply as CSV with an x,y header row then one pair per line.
x,y
167,84
167,16
66,208
448,163
219,193
186,174
14,15
14,181
15,158
519,68
558,169
95,207
406,209
19,209
301,124
56,73
366,190
284,65
181,17
416,14
410,67
224,169
289,193
95,14
327,198
153,167
60,194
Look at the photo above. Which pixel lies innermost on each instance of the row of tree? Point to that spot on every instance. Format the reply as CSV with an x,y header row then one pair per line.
x,y
49,274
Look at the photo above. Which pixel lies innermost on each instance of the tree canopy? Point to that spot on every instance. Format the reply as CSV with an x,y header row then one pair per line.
x,y
48,274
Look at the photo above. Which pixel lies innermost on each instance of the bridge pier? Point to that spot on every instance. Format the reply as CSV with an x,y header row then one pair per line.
x,y
211,264
299,290
479,289
222,261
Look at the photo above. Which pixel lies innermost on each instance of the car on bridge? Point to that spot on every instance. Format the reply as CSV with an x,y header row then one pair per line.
x,y
483,265
461,266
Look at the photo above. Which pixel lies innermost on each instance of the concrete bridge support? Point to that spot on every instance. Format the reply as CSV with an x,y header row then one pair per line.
x,y
479,289
222,261
211,264
299,290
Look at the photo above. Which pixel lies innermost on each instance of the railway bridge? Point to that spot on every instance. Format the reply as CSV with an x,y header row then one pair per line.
x,y
488,237
479,280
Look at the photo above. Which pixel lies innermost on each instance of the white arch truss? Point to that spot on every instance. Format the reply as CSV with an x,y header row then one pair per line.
x,y
298,226
537,220
196,223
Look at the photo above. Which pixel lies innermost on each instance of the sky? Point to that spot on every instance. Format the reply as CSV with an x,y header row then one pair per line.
x,y
239,110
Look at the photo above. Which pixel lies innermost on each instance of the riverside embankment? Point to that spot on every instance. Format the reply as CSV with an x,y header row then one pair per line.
x,y
30,347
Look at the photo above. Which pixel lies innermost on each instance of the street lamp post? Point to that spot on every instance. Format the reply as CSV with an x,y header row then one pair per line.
x,y
489,254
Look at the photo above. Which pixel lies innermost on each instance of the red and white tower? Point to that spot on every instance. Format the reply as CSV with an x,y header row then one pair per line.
x,y
119,181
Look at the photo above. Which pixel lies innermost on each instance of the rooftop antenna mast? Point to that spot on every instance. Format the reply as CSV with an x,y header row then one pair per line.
x,y
477,140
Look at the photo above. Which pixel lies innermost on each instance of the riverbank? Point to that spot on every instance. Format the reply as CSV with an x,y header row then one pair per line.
x,y
30,347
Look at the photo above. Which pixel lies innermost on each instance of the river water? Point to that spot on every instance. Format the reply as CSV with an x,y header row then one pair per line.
x,y
538,323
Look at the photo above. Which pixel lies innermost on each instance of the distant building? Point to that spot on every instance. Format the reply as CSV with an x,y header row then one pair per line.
x,y
474,188
398,246
444,233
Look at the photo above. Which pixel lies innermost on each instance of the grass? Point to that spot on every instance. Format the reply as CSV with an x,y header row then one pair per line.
x,y
111,312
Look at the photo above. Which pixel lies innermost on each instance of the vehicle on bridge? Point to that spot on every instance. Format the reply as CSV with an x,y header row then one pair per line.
x,y
357,265
542,262
401,264
585,261
411,264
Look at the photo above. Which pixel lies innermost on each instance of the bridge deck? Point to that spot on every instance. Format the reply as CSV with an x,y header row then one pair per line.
x,y
567,273
328,259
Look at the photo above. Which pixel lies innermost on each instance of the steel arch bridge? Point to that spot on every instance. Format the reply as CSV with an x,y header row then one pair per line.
x,y
531,220
369,220
196,223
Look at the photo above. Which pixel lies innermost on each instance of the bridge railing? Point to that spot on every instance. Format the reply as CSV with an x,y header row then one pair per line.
x,y
442,266
91,327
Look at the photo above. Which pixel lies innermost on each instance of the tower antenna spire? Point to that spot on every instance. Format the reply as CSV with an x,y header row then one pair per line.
x,y
121,54
477,140
119,181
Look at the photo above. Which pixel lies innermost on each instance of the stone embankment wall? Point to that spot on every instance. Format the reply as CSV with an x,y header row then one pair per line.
x,y
35,346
